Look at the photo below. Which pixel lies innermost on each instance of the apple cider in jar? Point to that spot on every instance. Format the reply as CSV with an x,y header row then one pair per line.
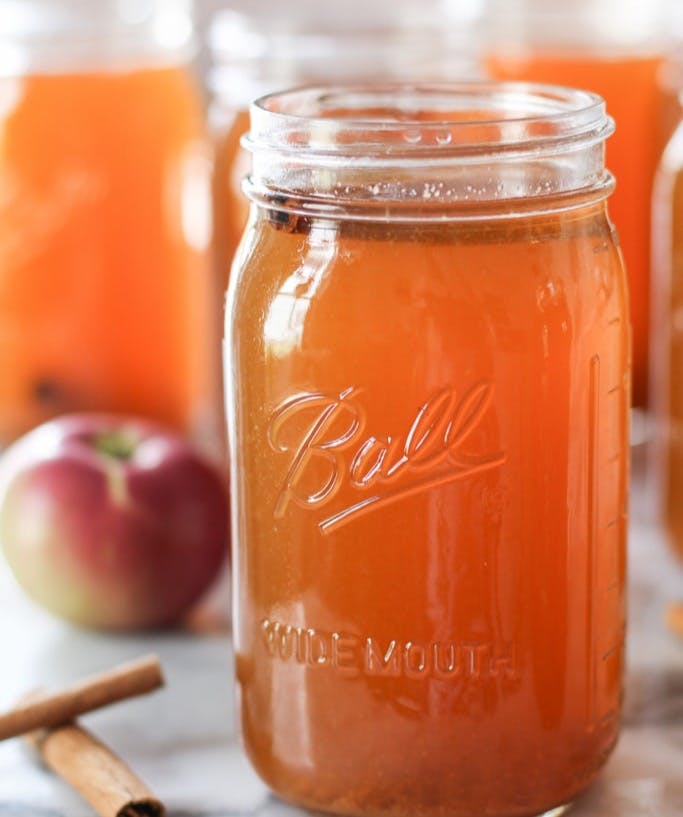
x,y
105,295
427,357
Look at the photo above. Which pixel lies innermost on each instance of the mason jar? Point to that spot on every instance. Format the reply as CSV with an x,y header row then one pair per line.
x,y
427,359
618,49
104,216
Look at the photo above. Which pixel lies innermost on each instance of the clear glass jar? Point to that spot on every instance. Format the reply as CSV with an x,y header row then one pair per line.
x,y
104,216
616,48
428,387
272,47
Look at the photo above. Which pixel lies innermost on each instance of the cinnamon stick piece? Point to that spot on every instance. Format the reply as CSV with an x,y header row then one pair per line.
x,y
48,710
95,772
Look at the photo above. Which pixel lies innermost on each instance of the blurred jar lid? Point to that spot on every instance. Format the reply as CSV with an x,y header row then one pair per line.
x,y
56,35
272,46
587,25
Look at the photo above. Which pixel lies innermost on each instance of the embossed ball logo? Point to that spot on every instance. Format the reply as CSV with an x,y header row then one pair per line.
x,y
326,439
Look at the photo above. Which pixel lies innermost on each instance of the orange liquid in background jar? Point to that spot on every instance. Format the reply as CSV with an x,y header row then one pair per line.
x,y
103,297
230,205
669,201
630,87
421,632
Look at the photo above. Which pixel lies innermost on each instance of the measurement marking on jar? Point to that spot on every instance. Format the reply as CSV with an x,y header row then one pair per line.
x,y
614,458
614,586
591,555
614,321
614,389
613,522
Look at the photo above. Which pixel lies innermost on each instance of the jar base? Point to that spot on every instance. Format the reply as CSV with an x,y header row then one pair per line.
x,y
317,809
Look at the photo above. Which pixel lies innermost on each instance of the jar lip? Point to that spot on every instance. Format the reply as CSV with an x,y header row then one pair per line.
x,y
427,149
465,118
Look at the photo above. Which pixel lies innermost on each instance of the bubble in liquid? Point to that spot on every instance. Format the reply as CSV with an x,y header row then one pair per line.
x,y
444,138
413,137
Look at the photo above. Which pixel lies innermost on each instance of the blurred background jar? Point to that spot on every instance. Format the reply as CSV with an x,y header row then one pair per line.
x,y
105,292
265,47
667,303
617,49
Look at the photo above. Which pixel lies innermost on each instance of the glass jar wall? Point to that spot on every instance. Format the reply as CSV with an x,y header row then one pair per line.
x,y
104,290
428,370
617,49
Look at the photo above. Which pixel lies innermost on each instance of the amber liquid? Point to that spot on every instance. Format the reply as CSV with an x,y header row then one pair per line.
x,y
104,296
429,428
671,191
230,205
631,89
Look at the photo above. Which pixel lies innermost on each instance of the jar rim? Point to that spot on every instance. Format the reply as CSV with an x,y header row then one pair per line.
x,y
428,149
529,114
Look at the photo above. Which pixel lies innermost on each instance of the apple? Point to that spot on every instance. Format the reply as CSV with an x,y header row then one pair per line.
x,y
112,522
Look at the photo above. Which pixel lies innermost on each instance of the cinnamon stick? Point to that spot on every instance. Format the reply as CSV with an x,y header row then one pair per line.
x,y
48,710
95,772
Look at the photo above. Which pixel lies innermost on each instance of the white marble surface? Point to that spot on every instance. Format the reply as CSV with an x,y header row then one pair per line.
x,y
182,740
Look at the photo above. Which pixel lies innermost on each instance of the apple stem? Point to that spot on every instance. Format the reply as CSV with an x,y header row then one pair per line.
x,y
120,445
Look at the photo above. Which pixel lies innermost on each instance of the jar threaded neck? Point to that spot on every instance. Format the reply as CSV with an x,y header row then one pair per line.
x,y
428,147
